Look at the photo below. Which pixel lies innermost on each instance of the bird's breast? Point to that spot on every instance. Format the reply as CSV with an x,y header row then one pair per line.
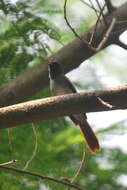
x,y
59,87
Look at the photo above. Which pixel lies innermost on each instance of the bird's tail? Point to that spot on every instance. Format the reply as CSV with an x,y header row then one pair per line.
x,y
90,136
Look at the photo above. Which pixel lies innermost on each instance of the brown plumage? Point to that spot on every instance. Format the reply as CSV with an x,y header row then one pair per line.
x,y
60,85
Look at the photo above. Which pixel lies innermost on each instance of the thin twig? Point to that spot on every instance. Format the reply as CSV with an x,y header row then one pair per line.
x,y
107,34
72,29
96,11
121,44
42,177
90,6
109,6
95,28
101,9
8,163
10,142
35,147
105,103
80,167
66,19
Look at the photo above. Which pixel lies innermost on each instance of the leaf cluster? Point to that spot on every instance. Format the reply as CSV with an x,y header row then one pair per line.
x,y
25,38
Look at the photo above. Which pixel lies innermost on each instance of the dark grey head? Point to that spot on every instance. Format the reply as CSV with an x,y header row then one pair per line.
x,y
54,70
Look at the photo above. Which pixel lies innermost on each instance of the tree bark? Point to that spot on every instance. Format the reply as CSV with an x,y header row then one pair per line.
x,y
47,108
70,56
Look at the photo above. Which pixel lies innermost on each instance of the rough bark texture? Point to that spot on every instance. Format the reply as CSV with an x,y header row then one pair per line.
x,y
47,108
71,55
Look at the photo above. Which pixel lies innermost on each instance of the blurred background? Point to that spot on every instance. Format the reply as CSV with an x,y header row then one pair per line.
x,y
30,32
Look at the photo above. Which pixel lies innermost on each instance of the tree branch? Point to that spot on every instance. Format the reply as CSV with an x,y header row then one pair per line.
x,y
48,108
109,5
107,35
121,44
8,163
42,177
72,29
70,56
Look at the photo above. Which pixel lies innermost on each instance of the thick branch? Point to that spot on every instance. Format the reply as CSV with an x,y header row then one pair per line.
x,y
70,56
53,107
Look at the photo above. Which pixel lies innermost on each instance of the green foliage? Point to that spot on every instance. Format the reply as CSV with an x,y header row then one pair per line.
x,y
59,154
24,38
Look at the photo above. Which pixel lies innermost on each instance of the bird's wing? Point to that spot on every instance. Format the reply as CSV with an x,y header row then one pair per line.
x,y
70,85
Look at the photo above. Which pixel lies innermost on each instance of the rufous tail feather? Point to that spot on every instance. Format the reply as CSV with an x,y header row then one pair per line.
x,y
90,137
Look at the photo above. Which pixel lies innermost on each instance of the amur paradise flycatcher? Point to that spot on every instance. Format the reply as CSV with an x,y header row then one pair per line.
x,y
61,85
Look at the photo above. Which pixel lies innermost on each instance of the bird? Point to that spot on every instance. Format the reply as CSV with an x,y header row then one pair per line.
x,y
61,85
